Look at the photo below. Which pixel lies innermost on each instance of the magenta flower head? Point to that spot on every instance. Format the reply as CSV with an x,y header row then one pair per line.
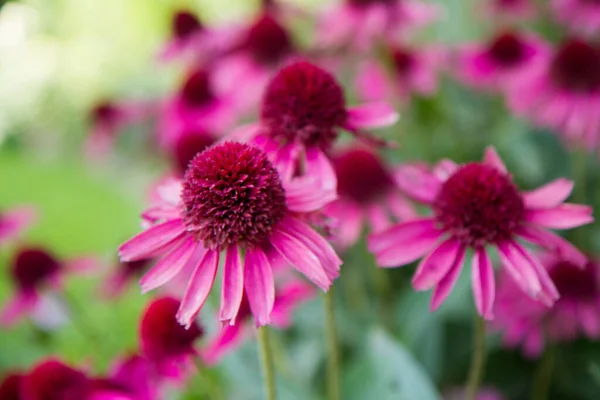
x,y
529,324
302,113
477,206
233,200
14,221
164,341
581,16
501,60
51,379
564,93
359,23
10,387
367,194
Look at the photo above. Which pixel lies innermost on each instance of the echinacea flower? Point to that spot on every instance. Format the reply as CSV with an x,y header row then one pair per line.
x,y
233,200
14,221
367,194
499,61
302,113
581,16
411,71
123,274
359,23
576,313
564,93
477,206
165,342
10,387
136,377
288,297
509,10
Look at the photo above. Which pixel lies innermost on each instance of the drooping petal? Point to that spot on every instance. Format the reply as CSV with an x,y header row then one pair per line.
x,y
229,338
564,216
446,284
408,250
170,265
259,285
492,159
550,195
418,183
22,304
552,242
319,166
199,287
305,195
520,268
142,245
436,265
397,234
232,289
549,294
372,115
288,298
484,287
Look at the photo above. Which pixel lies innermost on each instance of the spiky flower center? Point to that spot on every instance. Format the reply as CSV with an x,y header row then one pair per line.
x,y
362,176
232,195
479,205
403,60
576,67
185,24
189,144
507,50
197,90
303,103
33,267
574,283
267,41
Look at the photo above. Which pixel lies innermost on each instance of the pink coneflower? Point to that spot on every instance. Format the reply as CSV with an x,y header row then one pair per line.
x,y
509,10
10,387
477,206
233,200
164,341
189,37
137,377
530,324
123,274
498,62
412,71
580,15
302,113
359,23
288,298
564,93
14,221
367,193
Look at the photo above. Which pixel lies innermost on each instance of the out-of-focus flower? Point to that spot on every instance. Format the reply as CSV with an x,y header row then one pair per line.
x,y
302,113
529,324
233,200
582,16
10,387
367,193
166,343
509,10
33,269
137,377
359,23
14,221
123,274
498,62
289,296
485,393
188,144
477,206
564,93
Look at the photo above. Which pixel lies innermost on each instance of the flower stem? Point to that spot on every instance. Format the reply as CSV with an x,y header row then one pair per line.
x,y
543,375
267,362
333,363
208,384
477,359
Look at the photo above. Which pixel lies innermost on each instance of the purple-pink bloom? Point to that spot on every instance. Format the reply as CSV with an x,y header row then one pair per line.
x,y
14,221
564,93
576,313
581,16
10,386
367,195
302,113
233,200
477,206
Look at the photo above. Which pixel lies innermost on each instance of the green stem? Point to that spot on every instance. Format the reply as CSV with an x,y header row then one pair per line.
x,y
543,375
267,362
477,359
333,363
208,384
77,316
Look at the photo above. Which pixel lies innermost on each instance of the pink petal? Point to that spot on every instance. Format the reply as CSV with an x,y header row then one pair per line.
x,y
13,221
348,223
444,287
304,260
372,83
170,265
552,242
259,285
589,318
484,288
319,166
142,245
549,294
83,265
408,250
232,289
199,287
229,338
22,304
418,183
436,265
378,218
444,169
520,268
288,298
306,195
564,216
492,159
549,195
372,115
405,230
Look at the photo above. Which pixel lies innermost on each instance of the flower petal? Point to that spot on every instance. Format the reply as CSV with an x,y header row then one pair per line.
x,y
408,250
418,183
484,288
436,265
549,294
306,195
564,216
22,304
229,338
552,242
199,286
550,195
319,167
371,115
444,287
232,288
142,245
390,237
259,285
492,159
520,268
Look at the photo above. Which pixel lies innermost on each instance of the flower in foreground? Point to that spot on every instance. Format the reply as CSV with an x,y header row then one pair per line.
x,y
10,386
529,324
477,206
367,194
14,221
580,15
302,113
233,200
